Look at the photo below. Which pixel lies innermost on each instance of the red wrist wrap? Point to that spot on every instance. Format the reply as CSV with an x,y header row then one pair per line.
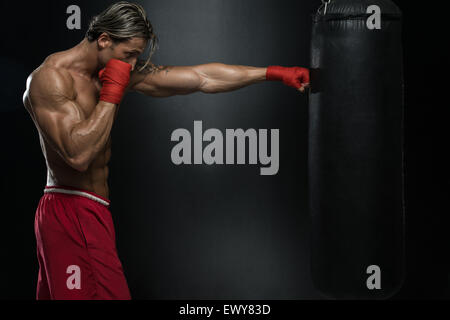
x,y
115,78
295,77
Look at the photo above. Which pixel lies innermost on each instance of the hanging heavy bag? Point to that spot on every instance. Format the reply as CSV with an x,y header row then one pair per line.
x,y
355,154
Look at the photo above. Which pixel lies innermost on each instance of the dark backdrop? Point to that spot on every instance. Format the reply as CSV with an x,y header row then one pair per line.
x,y
216,232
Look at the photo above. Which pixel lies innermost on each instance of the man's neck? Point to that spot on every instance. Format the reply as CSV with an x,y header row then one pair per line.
x,y
85,58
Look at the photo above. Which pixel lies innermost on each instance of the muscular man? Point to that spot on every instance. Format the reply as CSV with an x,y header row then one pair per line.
x,y
73,99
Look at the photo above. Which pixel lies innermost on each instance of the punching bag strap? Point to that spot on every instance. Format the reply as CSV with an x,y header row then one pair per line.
x,y
324,6
323,16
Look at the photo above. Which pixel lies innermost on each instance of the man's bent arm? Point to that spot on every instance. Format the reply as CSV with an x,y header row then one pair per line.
x,y
77,139
164,81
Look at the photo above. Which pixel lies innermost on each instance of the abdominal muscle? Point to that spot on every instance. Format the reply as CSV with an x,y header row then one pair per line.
x,y
94,179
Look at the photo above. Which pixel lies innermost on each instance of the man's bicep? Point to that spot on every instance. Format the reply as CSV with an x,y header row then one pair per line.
x,y
55,113
146,78
163,81
56,125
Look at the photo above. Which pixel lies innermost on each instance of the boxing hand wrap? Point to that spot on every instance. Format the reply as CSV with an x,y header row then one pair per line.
x,y
295,77
115,78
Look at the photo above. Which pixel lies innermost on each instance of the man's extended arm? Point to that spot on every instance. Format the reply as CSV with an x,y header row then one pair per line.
x,y
164,81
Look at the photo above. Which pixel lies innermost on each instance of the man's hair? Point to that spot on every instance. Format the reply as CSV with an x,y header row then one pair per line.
x,y
122,21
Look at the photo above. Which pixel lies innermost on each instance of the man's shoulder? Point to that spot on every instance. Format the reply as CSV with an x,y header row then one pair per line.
x,y
51,68
51,78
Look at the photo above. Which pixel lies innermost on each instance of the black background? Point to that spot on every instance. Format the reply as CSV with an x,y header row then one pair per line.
x,y
219,232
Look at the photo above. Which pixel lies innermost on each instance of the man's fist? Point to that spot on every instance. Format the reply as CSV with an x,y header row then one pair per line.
x,y
295,77
114,78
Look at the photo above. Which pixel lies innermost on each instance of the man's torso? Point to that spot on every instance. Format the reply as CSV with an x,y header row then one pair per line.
x,y
86,95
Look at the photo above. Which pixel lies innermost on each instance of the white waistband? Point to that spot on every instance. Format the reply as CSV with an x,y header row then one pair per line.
x,y
78,193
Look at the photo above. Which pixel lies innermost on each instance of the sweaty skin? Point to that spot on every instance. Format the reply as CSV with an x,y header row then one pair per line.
x,y
62,98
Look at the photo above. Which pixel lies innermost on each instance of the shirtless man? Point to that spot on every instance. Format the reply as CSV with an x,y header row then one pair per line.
x,y
73,99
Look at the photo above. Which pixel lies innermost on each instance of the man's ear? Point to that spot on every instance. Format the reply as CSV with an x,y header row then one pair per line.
x,y
104,41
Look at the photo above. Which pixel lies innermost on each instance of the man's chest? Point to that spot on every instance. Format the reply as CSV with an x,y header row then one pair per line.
x,y
87,94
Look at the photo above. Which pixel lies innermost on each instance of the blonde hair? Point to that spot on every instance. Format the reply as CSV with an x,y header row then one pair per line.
x,y
122,21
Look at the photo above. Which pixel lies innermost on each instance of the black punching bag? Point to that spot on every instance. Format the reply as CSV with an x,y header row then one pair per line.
x,y
355,153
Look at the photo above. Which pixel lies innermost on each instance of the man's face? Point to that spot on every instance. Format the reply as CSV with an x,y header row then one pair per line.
x,y
127,51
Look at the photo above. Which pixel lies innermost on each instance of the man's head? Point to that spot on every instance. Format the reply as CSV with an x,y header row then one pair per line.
x,y
122,32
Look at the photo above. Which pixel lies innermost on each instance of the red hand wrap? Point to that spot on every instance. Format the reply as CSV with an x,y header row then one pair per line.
x,y
295,77
115,78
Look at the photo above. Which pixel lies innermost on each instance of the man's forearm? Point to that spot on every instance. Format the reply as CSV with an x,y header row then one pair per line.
x,y
218,77
90,136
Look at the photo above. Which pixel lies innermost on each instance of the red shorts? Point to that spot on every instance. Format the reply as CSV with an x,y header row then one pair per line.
x,y
76,247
